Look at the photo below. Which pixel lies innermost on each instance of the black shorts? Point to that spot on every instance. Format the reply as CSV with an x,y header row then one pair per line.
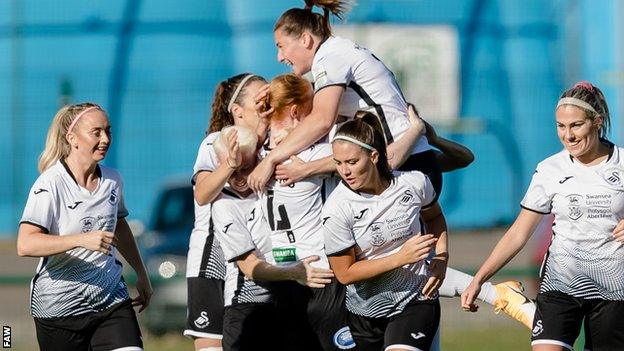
x,y
291,300
414,328
205,308
559,316
250,326
427,163
328,317
114,328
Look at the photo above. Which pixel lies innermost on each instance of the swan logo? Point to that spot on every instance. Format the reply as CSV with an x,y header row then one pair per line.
x,y
613,176
343,339
202,321
538,329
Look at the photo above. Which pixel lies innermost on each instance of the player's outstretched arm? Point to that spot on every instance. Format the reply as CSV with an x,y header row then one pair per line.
x,y
508,246
302,272
298,170
318,123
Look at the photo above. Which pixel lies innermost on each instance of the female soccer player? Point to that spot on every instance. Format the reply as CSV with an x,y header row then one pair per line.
x,y
450,156
347,78
377,245
250,320
75,221
581,274
293,213
232,105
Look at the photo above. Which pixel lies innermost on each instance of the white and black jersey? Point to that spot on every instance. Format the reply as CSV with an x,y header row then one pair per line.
x,y
205,257
368,83
294,212
583,259
77,281
377,226
241,230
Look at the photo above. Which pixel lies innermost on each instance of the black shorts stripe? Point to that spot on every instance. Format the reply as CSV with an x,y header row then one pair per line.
x,y
380,113
207,252
240,282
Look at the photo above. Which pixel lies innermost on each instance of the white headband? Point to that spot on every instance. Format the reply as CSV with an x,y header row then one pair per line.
x,y
576,102
352,140
237,91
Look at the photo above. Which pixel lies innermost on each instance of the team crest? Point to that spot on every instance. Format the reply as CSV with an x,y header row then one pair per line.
x,y
377,237
87,224
574,206
202,321
613,176
407,197
112,199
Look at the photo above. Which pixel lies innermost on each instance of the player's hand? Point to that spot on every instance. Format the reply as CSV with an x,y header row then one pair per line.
x,y
144,288
291,172
311,276
260,176
618,232
437,269
416,248
261,102
417,123
469,296
98,240
232,156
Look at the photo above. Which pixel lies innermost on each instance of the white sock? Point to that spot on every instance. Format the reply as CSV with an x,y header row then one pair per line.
x,y
456,282
488,293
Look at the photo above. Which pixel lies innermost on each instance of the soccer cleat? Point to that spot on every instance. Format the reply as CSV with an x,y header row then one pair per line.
x,y
509,299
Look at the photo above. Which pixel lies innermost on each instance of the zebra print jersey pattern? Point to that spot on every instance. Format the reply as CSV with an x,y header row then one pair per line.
x,y
77,281
583,259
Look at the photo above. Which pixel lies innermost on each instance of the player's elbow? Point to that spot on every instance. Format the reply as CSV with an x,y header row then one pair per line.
x,y
466,160
23,249
344,278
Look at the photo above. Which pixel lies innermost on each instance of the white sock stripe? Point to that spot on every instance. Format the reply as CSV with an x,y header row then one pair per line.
x,y
128,348
197,334
403,347
552,342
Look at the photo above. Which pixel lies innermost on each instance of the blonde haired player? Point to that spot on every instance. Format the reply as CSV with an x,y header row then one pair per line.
x,y
74,220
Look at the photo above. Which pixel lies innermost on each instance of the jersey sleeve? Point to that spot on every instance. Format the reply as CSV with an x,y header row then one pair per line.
x,y
422,186
320,150
537,198
331,70
207,159
40,209
428,193
122,210
230,228
337,228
